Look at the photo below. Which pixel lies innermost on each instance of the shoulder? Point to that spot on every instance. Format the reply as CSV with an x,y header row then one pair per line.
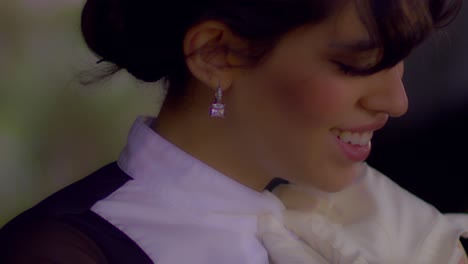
x,y
81,195
47,240
62,229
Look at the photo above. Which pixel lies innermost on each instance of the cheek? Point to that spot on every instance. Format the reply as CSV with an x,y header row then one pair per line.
x,y
313,98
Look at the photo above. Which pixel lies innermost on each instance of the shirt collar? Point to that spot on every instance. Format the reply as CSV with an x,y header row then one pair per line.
x,y
176,176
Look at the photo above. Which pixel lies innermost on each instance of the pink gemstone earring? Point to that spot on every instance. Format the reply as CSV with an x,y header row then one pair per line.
x,y
217,108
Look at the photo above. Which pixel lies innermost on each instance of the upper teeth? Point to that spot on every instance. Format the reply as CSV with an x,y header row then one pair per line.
x,y
362,139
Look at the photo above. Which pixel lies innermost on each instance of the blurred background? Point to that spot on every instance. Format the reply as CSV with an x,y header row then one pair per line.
x,y
54,131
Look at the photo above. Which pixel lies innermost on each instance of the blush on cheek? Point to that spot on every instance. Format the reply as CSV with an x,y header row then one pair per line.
x,y
312,99
327,98
290,94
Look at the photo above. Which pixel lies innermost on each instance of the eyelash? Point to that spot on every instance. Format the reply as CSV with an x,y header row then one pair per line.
x,y
350,70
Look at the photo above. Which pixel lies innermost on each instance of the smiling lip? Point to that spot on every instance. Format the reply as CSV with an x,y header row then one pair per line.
x,y
357,152
354,153
367,128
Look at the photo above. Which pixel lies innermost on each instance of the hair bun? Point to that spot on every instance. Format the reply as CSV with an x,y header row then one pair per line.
x,y
132,35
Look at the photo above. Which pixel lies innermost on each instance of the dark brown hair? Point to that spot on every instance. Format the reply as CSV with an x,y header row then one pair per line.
x,y
145,37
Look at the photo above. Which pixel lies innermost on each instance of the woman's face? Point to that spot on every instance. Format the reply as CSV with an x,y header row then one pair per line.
x,y
305,114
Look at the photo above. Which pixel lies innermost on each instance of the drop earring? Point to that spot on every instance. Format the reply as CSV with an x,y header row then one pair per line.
x,y
217,108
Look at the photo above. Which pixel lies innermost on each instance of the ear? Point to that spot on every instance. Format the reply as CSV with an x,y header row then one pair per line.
x,y
210,49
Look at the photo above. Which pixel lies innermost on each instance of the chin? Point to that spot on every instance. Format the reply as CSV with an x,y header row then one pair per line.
x,y
345,177
335,179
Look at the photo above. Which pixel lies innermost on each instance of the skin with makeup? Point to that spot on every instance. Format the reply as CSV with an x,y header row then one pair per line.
x,y
308,111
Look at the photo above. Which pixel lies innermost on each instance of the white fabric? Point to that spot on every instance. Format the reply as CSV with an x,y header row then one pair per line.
x,y
372,221
179,210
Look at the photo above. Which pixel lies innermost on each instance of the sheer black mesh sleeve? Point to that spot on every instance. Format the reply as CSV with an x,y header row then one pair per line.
x,y
47,241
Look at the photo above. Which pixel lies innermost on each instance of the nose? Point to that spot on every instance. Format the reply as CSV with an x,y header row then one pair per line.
x,y
386,93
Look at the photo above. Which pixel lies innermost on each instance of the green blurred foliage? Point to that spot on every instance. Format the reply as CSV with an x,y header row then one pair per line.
x,y
53,130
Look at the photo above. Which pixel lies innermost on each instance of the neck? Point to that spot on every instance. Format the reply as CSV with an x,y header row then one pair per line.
x,y
188,125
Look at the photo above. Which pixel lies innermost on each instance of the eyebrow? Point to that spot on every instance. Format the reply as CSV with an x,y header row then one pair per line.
x,y
356,46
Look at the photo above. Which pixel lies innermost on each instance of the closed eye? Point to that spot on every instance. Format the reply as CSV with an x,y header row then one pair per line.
x,y
352,70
